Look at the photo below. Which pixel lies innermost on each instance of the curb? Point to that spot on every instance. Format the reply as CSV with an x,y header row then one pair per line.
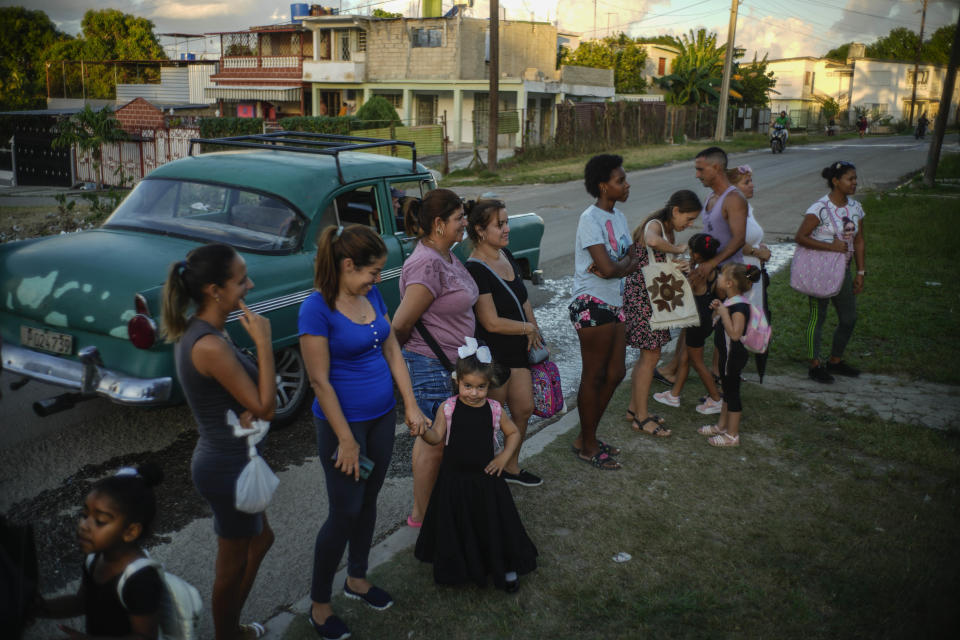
x,y
405,537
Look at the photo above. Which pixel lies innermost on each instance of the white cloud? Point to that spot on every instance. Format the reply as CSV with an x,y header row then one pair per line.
x,y
185,11
776,37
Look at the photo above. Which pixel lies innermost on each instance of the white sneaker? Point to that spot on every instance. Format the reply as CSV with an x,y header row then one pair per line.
x,y
667,398
710,406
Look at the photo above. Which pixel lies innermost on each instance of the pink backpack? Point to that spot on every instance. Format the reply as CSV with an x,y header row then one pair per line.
x,y
547,393
495,408
757,337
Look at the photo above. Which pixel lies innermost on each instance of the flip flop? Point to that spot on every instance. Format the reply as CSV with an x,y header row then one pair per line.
x,y
605,447
413,523
659,431
601,461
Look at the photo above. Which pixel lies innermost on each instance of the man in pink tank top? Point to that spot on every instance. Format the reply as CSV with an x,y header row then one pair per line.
x,y
725,212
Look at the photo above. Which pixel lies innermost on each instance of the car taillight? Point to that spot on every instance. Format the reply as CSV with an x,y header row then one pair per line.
x,y
142,331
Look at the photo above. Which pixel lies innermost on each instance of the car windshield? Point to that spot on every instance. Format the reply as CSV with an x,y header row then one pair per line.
x,y
210,213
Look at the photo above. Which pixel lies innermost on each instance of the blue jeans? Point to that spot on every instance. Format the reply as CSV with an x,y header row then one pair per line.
x,y
431,382
352,504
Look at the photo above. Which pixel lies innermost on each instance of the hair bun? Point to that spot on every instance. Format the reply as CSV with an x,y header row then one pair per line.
x,y
753,273
827,172
151,473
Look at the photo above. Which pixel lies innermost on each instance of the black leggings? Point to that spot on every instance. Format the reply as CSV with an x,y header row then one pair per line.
x,y
352,505
731,366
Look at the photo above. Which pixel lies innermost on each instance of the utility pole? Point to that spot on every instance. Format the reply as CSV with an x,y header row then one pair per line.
x,y
940,127
916,65
727,70
494,83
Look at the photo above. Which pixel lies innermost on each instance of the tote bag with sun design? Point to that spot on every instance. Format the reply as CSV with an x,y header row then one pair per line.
x,y
671,297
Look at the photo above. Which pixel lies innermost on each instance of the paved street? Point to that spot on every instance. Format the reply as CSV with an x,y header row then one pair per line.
x,y
39,454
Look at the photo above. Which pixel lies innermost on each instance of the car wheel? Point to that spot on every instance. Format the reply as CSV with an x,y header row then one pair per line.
x,y
293,386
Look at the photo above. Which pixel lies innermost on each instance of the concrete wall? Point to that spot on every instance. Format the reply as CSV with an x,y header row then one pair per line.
x,y
462,55
391,56
587,76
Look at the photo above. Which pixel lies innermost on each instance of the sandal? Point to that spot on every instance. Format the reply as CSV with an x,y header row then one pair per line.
x,y
725,440
605,447
659,431
659,377
601,461
710,430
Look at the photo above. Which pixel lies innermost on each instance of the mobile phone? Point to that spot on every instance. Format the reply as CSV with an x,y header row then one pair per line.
x,y
366,464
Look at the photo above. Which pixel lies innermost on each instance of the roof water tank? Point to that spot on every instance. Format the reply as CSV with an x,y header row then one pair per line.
x,y
299,9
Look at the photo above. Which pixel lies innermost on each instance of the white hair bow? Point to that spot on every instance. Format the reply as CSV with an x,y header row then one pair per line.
x,y
127,471
473,348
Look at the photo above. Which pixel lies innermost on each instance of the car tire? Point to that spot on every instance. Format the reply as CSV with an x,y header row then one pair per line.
x,y
293,386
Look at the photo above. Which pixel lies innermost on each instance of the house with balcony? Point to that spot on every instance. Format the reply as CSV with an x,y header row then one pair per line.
x,y
260,72
433,69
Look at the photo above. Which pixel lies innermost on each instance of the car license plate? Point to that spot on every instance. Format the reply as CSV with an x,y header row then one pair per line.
x,y
51,341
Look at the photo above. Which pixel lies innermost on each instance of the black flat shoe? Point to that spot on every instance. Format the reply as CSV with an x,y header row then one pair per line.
x,y
332,629
820,374
842,369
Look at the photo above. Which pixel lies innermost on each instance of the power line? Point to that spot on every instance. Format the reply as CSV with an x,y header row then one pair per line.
x,y
657,15
862,13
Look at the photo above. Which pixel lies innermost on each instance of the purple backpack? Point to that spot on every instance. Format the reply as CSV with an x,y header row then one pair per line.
x,y
547,393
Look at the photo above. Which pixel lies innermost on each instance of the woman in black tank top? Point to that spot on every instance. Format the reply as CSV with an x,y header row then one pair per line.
x,y
217,377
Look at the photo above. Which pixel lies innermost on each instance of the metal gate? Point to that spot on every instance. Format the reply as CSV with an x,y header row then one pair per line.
x,y
36,161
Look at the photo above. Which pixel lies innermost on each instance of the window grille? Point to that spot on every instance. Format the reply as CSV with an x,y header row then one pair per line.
x,y
361,40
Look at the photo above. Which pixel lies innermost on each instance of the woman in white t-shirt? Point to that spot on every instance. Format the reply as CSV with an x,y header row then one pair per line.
x,y
754,251
602,257
835,223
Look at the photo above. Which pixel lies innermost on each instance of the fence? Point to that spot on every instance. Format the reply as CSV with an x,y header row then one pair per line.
x,y
126,163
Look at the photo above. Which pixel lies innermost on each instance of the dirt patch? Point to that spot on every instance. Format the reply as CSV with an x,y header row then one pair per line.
x,y
20,223
53,513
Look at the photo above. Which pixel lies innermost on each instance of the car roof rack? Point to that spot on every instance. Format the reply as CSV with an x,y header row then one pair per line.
x,y
327,144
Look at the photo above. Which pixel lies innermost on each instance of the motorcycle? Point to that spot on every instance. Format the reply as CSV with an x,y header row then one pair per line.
x,y
778,138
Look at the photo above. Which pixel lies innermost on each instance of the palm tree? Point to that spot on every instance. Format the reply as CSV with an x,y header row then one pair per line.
x,y
89,130
697,72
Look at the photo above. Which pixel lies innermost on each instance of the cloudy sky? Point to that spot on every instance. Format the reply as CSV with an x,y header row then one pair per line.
x,y
780,28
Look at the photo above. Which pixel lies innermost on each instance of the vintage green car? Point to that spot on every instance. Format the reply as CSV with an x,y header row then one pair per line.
x,y
80,310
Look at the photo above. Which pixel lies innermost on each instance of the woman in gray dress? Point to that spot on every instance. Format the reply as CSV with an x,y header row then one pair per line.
x,y
216,377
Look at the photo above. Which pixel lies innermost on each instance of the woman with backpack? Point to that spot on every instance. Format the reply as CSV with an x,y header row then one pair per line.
x,y
505,320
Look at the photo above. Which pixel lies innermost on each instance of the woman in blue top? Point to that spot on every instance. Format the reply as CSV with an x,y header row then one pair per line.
x,y
352,358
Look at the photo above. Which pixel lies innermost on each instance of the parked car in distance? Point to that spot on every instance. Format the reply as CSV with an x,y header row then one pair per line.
x,y
81,310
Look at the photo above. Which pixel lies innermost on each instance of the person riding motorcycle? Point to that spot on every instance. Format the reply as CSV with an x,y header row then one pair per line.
x,y
781,128
922,123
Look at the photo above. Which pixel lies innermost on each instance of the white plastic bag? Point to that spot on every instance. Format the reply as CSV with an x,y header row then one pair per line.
x,y
257,482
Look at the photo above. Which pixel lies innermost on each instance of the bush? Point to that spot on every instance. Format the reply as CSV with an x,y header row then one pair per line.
x,y
377,112
224,127
340,125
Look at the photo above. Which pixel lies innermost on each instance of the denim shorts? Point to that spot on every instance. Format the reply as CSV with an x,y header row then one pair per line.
x,y
431,381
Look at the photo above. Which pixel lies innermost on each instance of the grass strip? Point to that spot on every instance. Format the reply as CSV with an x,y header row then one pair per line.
x,y
566,165
820,525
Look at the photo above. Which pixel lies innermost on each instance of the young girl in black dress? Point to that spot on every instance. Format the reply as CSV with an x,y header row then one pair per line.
x,y
116,514
733,314
471,528
703,247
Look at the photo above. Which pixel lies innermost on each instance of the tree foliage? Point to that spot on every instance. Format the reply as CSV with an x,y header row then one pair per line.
x,y
107,34
26,34
755,83
380,13
625,55
697,72
901,45
89,129
378,110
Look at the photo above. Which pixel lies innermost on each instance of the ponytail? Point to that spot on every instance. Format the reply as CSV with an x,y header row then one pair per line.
x,y
360,243
411,217
186,279
742,275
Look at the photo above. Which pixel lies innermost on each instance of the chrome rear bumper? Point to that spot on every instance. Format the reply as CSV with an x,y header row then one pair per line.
x,y
89,378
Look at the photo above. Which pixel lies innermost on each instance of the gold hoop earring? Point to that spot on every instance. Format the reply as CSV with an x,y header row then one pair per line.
x,y
217,298
439,231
